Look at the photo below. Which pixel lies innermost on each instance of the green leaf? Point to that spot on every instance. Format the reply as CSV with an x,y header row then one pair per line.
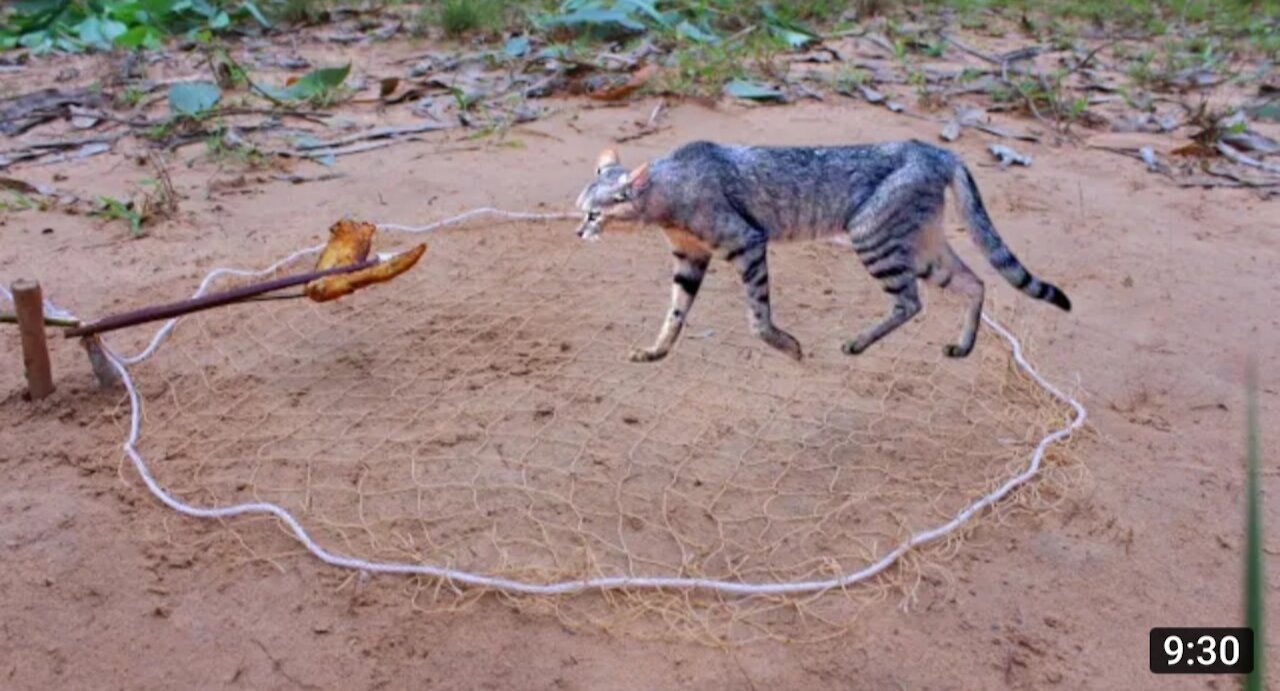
x,y
753,91
555,52
649,9
193,98
791,33
517,46
1267,111
312,84
91,32
140,36
38,6
220,20
793,39
252,9
595,17
692,32
113,29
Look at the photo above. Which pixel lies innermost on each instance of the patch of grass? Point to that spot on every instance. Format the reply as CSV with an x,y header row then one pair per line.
x,y
848,79
17,201
703,70
218,150
461,17
130,97
1255,20
299,11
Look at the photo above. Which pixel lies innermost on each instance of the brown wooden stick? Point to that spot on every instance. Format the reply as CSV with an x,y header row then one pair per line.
x,y
29,306
177,309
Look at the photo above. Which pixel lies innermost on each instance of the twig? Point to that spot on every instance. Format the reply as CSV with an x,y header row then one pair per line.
x,y
378,133
65,143
972,51
308,115
1148,158
992,129
1090,55
653,117
299,179
640,134
879,41
340,151
1235,155
1228,182
844,34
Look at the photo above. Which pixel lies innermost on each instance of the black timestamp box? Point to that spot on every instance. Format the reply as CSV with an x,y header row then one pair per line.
x,y
1202,650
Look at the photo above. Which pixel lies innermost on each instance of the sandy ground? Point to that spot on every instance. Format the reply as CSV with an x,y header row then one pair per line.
x,y
1173,289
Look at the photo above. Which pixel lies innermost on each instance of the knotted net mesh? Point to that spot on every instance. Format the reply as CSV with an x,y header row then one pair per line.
x,y
479,414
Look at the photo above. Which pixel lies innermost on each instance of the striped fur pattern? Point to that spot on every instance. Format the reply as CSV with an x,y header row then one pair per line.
x,y
730,202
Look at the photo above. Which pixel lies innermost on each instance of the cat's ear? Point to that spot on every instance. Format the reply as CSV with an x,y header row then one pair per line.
x,y
638,177
608,157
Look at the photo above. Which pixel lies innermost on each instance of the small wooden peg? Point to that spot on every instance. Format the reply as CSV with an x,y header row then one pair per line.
x,y
28,304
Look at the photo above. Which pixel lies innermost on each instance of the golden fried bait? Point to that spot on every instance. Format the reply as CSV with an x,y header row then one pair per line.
x,y
349,243
336,286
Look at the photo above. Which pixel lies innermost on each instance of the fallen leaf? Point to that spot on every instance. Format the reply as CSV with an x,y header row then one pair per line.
x,y
637,80
517,46
388,86
753,91
193,98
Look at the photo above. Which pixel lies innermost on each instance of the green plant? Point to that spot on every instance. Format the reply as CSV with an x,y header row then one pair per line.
x,y
219,150
847,79
1254,583
130,97
113,209
702,70
320,87
193,99
18,202
299,11
78,25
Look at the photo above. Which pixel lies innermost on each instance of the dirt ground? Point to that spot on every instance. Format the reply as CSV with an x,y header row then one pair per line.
x,y
102,587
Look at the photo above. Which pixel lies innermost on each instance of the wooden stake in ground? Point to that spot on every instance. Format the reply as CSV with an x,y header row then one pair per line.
x,y
28,304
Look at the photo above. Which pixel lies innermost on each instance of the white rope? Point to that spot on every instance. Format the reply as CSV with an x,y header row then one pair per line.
x,y
488,210
563,587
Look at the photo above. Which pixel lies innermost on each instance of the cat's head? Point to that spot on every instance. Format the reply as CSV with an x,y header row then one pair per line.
x,y
609,195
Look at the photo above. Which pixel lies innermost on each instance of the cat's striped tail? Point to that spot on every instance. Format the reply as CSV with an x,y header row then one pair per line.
x,y
984,234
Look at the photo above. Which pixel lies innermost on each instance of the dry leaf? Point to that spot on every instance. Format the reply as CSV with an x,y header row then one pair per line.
x,y
637,80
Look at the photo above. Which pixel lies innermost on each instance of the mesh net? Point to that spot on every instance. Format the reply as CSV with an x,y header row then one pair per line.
x,y
479,414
